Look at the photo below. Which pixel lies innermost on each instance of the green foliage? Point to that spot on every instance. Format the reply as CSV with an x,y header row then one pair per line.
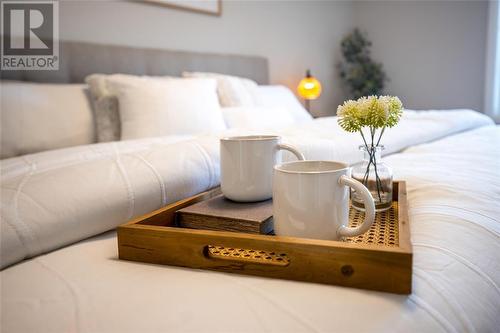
x,y
360,73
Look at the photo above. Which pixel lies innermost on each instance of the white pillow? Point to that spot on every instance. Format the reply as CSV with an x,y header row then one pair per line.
x,y
39,116
105,102
257,118
232,90
281,96
151,107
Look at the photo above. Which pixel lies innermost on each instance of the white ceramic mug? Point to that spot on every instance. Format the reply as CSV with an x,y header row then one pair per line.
x,y
247,166
311,200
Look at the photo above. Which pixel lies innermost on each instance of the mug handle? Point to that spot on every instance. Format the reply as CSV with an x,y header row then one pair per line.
x,y
345,231
293,150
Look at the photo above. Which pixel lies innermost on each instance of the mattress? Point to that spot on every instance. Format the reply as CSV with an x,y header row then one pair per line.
x,y
453,193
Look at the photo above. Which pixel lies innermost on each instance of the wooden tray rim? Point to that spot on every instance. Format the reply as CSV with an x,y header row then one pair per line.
x,y
399,195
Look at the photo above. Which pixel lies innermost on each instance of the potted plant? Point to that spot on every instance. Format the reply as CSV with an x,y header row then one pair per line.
x,y
362,75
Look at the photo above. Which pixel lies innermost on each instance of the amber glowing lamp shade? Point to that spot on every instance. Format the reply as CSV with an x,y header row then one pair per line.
x,y
309,88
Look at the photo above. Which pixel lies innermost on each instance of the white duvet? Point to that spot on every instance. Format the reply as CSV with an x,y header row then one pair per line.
x,y
453,193
56,198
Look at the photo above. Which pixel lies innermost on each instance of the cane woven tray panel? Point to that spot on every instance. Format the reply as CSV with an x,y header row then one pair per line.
x,y
380,259
384,230
249,255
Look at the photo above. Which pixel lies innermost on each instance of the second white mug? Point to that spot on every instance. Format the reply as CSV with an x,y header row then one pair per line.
x,y
247,166
311,200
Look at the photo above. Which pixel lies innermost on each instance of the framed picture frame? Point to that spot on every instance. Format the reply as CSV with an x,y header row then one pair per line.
x,y
209,7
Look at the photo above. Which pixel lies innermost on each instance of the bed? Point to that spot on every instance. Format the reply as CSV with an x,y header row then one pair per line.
x,y
59,254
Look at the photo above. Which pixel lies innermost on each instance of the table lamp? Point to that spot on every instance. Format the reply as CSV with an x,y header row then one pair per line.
x,y
309,88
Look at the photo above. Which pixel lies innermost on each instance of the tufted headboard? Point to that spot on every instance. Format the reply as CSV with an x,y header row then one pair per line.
x,y
79,59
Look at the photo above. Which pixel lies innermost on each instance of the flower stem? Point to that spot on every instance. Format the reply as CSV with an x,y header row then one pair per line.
x,y
378,182
380,137
371,149
364,140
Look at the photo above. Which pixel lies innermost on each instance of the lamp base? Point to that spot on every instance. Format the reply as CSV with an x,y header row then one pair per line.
x,y
307,104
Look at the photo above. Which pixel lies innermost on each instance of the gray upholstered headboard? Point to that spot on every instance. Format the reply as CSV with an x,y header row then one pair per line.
x,y
78,59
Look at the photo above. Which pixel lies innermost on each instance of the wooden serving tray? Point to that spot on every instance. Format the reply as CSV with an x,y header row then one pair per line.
x,y
381,259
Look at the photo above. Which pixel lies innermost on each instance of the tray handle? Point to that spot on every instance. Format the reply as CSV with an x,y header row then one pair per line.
x,y
246,255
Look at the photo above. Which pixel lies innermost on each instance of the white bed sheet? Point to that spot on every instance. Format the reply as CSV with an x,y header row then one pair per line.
x,y
56,198
453,192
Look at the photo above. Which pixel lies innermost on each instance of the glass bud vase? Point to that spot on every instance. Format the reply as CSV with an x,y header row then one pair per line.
x,y
376,176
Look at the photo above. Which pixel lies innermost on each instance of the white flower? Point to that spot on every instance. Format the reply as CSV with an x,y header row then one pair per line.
x,y
371,111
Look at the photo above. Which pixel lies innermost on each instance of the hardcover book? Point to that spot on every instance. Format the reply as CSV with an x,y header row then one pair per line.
x,y
220,213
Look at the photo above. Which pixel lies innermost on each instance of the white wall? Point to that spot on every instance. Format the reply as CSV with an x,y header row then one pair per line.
x,y
492,74
433,51
293,35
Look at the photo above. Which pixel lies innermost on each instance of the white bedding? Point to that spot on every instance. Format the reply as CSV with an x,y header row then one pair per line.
x,y
453,193
56,198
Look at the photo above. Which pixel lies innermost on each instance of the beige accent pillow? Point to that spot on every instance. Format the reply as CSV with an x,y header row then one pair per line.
x,y
152,107
233,91
40,116
105,105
